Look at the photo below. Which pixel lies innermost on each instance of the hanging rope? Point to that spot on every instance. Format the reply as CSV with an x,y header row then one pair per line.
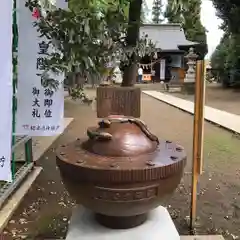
x,y
149,65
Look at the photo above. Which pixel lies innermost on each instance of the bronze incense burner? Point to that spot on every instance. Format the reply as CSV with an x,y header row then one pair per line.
x,y
122,171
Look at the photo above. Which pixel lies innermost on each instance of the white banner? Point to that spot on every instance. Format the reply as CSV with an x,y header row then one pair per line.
x,y
162,69
6,11
39,109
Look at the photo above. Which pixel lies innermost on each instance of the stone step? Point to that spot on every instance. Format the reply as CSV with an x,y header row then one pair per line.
x,y
177,83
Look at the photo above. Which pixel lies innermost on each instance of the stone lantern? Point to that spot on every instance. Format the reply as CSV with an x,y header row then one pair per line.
x,y
189,81
117,74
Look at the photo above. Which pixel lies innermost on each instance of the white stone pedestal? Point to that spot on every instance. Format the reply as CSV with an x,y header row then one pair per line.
x,y
159,226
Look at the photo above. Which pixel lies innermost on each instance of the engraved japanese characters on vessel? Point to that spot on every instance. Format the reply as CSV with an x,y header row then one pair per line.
x,y
125,195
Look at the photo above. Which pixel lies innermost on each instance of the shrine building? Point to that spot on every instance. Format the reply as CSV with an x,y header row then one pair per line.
x,y
171,44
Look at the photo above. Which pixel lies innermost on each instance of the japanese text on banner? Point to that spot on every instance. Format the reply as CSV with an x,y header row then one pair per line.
x,y
40,108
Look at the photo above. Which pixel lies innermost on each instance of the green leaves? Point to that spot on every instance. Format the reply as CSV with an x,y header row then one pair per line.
x,y
226,55
229,12
87,36
187,13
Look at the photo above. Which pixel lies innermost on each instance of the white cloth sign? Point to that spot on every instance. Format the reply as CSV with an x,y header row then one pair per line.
x,y
39,110
6,10
162,69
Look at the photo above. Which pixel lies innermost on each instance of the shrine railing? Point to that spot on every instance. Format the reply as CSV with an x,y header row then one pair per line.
x,y
19,170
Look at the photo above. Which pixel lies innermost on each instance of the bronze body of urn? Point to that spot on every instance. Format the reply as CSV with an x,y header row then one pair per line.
x,y
121,171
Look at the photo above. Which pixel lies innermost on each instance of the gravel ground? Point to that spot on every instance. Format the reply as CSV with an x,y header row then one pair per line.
x,y
46,209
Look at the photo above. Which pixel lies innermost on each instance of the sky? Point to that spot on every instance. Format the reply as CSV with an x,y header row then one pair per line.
x,y
210,22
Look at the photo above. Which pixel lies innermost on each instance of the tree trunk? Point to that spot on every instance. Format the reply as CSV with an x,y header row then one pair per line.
x,y
129,75
118,100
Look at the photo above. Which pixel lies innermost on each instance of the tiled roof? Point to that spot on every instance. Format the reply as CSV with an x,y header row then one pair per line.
x,y
166,36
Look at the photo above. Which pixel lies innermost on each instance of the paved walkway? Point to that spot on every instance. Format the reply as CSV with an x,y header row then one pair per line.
x,y
225,119
206,237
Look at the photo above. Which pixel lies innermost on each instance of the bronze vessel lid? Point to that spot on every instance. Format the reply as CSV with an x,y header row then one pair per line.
x,y
120,149
120,136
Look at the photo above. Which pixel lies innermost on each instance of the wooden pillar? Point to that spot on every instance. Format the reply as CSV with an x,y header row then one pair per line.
x,y
198,128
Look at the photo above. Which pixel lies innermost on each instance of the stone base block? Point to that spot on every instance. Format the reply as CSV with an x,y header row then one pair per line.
x,y
158,226
117,100
175,90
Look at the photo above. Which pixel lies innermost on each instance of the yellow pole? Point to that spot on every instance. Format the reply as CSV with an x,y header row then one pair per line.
x,y
197,137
